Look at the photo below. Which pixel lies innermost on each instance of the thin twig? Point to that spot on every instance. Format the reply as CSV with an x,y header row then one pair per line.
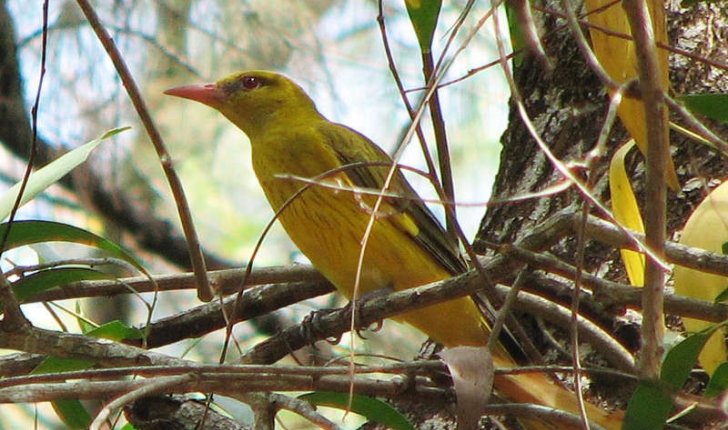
x,y
433,177
574,326
443,148
593,157
506,308
204,290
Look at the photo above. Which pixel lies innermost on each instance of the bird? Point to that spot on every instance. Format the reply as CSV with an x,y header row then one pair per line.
x,y
407,247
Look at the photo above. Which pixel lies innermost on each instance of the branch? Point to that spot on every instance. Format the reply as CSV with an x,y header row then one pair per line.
x,y
648,65
204,319
227,281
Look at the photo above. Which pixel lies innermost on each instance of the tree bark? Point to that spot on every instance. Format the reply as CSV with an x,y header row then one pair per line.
x,y
568,106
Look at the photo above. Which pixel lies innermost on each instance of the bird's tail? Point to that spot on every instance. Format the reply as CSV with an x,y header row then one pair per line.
x,y
539,389
459,322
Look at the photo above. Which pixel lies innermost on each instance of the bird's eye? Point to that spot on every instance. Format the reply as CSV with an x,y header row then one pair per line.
x,y
250,82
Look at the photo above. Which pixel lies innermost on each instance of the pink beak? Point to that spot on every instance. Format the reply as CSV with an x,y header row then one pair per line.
x,y
209,94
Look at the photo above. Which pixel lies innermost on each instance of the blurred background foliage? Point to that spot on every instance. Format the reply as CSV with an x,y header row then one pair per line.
x,y
333,49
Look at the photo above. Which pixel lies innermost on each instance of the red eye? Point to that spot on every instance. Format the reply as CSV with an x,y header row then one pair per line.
x,y
250,82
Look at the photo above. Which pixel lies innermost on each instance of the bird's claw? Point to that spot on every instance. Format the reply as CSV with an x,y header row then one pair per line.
x,y
311,327
311,324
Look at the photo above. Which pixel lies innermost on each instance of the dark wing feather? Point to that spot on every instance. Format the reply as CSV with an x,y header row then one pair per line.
x,y
350,149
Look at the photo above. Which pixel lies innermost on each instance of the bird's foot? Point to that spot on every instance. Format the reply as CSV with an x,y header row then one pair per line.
x,y
313,326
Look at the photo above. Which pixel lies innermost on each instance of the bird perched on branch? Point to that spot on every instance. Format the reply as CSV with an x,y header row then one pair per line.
x,y
405,247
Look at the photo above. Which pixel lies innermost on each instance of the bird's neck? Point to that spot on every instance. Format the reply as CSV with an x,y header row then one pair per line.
x,y
280,121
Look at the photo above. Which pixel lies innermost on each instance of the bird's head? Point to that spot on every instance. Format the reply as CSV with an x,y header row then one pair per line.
x,y
255,101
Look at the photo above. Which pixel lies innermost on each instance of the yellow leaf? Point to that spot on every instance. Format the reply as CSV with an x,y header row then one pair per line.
x,y
707,228
626,211
617,57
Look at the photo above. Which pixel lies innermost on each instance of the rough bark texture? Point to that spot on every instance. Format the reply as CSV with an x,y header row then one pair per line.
x,y
568,107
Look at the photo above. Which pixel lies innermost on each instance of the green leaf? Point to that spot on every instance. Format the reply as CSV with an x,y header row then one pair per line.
x,y
518,40
718,382
722,297
648,408
116,331
651,403
50,174
371,408
59,364
73,414
30,285
31,232
680,360
423,15
714,106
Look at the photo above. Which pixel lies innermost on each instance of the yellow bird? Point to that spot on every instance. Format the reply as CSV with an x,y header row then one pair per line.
x,y
407,247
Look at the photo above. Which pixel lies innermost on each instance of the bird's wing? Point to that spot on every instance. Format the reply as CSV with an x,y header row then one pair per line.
x,y
412,214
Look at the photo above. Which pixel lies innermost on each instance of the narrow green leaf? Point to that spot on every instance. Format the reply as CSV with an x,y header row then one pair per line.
x,y
31,232
718,382
680,360
648,408
722,297
59,364
50,174
714,106
116,331
518,40
45,280
423,15
73,414
371,408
